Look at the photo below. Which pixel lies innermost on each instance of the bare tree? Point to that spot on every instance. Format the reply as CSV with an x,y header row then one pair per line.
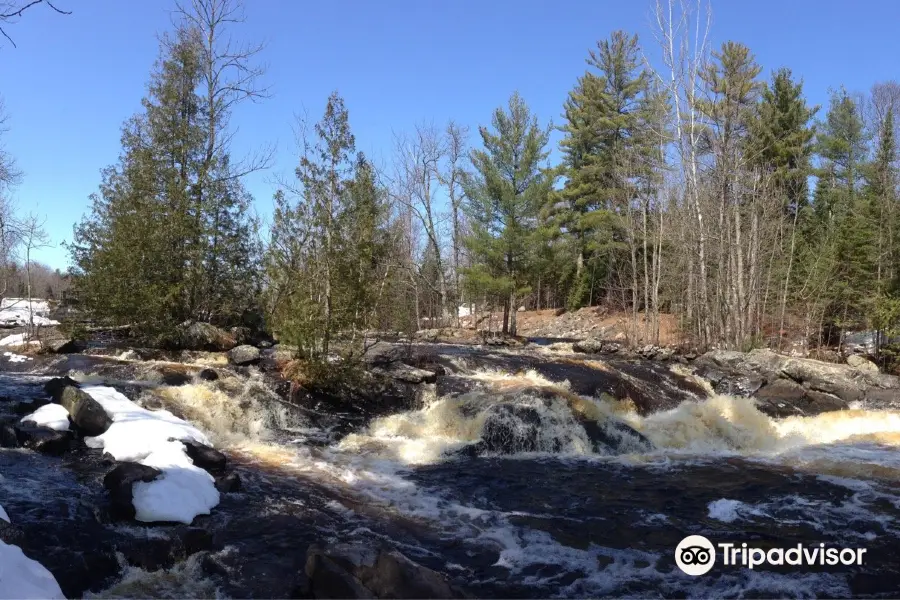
x,y
12,10
419,158
451,176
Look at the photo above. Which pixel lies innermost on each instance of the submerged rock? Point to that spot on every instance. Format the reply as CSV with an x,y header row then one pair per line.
x,y
208,375
228,484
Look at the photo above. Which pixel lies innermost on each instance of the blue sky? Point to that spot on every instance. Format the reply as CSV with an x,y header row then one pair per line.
x,y
74,80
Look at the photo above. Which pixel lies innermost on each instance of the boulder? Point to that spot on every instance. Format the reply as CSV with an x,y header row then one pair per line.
x,y
55,386
878,398
353,571
119,483
192,335
65,346
825,402
209,459
43,439
86,413
782,390
406,373
243,355
512,428
327,579
208,375
861,363
588,346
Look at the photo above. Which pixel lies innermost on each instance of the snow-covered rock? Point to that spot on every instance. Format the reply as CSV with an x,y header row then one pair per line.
x,y
53,416
23,578
150,438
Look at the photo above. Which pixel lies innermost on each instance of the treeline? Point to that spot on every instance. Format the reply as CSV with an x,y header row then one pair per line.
x,y
697,186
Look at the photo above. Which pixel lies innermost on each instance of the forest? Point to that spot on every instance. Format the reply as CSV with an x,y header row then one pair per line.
x,y
703,186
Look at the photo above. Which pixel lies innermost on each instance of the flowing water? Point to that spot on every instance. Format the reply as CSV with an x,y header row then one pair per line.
x,y
569,501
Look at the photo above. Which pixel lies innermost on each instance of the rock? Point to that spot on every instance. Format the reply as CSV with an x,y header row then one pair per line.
x,y
12,534
824,402
352,571
741,385
327,579
203,336
404,372
782,390
205,457
65,346
512,428
26,408
43,439
86,413
883,398
243,355
208,375
847,393
120,481
861,363
55,386
588,346
228,484
8,437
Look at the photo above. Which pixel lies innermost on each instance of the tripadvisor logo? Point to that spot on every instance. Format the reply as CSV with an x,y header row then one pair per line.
x,y
696,555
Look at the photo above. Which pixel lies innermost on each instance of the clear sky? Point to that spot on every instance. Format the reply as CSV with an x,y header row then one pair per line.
x,y
73,80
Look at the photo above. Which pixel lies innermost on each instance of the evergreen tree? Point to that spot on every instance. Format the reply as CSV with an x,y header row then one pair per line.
x,y
328,256
147,253
604,152
504,196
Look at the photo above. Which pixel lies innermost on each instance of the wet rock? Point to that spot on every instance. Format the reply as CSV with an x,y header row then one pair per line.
x,y
882,398
55,386
406,373
208,375
596,346
8,437
861,363
353,571
12,534
205,457
65,346
229,483
243,355
328,579
86,413
511,428
119,483
824,402
43,439
26,408
782,390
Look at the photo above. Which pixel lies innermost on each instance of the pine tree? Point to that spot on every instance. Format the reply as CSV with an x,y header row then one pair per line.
x,y
504,196
605,149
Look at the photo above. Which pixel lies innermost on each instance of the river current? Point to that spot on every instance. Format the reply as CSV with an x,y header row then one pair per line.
x,y
558,517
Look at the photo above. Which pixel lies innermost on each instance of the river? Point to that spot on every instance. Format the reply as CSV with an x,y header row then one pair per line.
x,y
553,513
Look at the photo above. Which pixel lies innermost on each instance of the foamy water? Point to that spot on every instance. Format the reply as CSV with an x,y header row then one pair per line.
x,y
405,464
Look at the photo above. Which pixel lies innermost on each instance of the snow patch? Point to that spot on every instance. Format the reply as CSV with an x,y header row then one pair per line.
x,y
183,491
23,578
17,339
16,358
19,312
53,416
